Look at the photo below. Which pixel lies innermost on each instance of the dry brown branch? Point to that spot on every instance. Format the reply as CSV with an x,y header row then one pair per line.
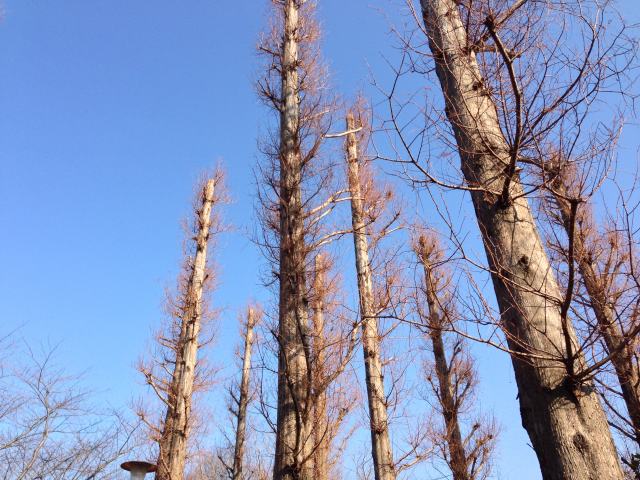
x,y
176,371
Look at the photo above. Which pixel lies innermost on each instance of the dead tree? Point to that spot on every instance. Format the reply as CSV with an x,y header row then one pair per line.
x,y
480,57
176,372
468,456
384,466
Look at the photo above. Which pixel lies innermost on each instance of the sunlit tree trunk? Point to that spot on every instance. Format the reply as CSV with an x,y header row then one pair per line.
x,y
380,443
292,445
243,397
173,442
565,421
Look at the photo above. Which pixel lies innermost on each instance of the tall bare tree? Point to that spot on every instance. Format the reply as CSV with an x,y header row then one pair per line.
x,y
384,466
295,203
240,398
468,456
506,94
292,445
332,346
322,438
175,372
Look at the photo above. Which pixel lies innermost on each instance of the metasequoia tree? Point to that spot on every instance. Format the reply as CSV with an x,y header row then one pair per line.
x,y
320,426
294,201
468,456
241,396
331,397
604,281
509,91
332,345
176,372
361,215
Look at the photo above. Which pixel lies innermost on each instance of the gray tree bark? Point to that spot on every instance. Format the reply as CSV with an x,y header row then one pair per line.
x,y
383,465
173,442
243,397
292,435
627,370
565,422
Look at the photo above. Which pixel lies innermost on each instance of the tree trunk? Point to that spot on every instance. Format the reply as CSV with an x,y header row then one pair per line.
x,y
565,422
623,361
457,456
173,443
292,435
321,435
243,398
380,444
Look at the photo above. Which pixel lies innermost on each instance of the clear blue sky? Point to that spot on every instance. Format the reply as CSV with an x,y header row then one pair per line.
x,y
109,111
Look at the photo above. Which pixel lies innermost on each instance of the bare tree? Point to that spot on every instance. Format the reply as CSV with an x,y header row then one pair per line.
x,y
241,396
176,371
468,456
320,426
296,197
293,448
207,466
49,425
384,466
332,346
605,280
509,91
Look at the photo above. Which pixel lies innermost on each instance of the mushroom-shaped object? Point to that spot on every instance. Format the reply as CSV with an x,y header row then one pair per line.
x,y
138,469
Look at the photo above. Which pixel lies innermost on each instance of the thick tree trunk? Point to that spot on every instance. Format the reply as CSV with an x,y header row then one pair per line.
x,y
380,443
292,436
565,422
457,456
627,370
321,435
173,443
243,398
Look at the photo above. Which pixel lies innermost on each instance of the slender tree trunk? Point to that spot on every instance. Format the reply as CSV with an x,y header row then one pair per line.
x,y
173,443
243,398
623,360
292,436
457,456
380,444
565,422
321,435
